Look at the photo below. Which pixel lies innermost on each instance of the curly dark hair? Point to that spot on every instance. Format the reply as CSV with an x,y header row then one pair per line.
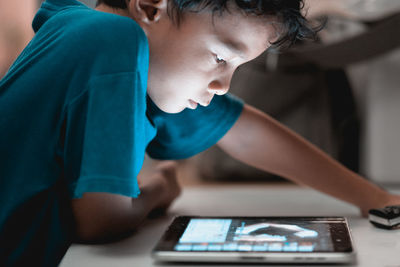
x,y
294,25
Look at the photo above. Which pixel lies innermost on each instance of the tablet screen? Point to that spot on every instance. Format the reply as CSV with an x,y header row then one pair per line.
x,y
256,239
247,234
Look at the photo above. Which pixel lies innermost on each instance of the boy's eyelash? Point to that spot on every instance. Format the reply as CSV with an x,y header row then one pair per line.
x,y
219,60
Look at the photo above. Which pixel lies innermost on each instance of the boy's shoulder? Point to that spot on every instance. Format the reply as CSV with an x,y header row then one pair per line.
x,y
79,35
110,27
104,29
85,27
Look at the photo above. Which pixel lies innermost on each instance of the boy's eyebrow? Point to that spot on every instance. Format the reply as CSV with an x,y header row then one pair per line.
x,y
235,46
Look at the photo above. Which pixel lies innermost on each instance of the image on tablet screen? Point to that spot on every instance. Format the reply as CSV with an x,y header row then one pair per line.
x,y
254,235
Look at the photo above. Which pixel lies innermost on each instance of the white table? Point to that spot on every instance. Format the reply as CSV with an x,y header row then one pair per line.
x,y
375,247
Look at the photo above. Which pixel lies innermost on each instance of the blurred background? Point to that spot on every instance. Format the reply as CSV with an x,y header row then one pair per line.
x,y
341,92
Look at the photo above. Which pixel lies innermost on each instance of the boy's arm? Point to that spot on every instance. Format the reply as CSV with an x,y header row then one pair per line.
x,y
262,142
101,217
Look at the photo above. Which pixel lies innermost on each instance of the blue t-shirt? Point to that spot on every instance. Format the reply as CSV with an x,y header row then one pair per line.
x,y
75,118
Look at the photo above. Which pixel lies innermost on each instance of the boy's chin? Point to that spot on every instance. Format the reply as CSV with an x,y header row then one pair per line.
x,y
171,109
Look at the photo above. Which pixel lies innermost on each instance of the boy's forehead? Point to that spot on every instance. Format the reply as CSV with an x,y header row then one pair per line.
x,y
241,33
235,46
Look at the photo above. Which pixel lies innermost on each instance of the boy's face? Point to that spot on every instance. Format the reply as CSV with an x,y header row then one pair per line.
x,y
191,63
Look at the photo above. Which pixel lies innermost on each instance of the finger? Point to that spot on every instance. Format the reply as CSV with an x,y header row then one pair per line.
x,y
167,164
169,169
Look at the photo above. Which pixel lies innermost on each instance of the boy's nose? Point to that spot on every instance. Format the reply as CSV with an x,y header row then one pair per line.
x,y
218,88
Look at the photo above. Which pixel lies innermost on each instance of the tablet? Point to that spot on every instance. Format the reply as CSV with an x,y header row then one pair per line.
x,y
256,239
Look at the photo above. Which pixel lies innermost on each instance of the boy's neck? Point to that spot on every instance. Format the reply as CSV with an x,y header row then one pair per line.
x,y
108,9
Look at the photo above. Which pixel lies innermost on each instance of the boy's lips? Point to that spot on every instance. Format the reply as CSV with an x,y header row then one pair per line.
x,y
192,104
206,102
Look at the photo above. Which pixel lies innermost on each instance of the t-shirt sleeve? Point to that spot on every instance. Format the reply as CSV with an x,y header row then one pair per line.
x,y
190,132
105,136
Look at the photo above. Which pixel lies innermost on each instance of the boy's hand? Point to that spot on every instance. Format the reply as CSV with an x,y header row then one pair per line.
x,y
392,200
101,217
164,177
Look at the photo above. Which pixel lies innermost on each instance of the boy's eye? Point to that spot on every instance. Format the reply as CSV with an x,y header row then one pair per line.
x,y
219,60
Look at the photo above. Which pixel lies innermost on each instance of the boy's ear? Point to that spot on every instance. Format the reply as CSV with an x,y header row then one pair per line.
x,y
147,11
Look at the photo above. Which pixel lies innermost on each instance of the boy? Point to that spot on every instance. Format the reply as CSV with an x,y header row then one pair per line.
x,y
94,90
